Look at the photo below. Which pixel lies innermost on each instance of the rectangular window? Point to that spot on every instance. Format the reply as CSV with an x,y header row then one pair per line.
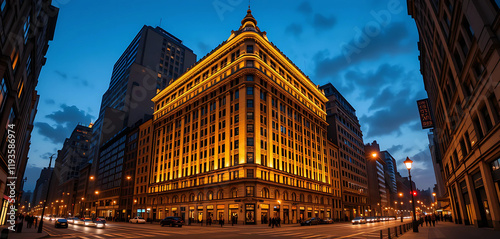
x,y
3,93
250,189
249,115
249,128
249,48
250,173
250,157
250,141
249,90
249,103
249,77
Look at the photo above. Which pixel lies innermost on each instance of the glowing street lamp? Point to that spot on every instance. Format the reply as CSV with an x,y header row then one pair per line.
x,y
408,163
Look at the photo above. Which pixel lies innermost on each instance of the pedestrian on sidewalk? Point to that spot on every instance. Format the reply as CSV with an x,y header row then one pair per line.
x,y
421,222
433,220
279,222
221,221
426,219
272,221
36,222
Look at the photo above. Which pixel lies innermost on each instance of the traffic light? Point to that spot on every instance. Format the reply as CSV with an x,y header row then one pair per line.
x,y
414,193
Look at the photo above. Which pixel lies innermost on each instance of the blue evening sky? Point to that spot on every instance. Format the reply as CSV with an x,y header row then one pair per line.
x,y
365,48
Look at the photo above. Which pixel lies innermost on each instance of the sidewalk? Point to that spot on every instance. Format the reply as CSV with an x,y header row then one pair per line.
x,y
26,233
451,230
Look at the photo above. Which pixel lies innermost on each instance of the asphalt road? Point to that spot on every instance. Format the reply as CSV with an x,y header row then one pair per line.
x,y
126,230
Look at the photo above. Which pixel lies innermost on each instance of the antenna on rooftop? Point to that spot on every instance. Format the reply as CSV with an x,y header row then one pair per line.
x,y
160,21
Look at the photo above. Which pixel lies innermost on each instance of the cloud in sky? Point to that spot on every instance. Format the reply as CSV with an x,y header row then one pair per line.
x,y
294,28
392,40
305,8
65,120
321,23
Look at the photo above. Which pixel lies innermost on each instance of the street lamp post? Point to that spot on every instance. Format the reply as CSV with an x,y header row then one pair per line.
x,y
408,163
46,197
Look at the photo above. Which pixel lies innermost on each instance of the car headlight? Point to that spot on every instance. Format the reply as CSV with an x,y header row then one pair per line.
x,y
86,223
352,221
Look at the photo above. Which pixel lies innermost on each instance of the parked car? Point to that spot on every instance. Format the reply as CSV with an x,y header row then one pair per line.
x,y
371,219
359,220
311,221
61,222
172,221
327,221
137,220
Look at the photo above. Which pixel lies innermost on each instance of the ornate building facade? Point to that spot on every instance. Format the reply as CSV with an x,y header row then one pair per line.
x,y
459,56
243,135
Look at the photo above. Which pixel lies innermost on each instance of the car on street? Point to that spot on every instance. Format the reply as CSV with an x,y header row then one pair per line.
x,y
88,222
61,222
137,220
71,220
172,221
100,219
372,219
311,221
359,220
327,221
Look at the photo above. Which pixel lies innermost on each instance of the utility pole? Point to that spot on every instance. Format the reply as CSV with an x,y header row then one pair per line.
x,y
46,197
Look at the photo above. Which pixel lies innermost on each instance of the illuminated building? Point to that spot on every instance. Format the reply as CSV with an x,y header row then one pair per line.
x,y
141,178
242,134
459,58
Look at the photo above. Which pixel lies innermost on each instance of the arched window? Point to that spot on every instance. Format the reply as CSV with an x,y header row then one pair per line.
x,y
322,201
285,195
276,194
210,195
166,200
294,197
175,199
264,193
234,193
153,201
200,196
220,194
302,197
309,198
183,198
191,197
161,200
316,200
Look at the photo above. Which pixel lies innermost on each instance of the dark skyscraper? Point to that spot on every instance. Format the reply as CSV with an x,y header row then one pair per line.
x,y
345,131
153,59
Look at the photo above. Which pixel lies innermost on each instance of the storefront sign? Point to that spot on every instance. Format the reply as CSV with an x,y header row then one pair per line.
x,y
425,113
264,206
191,208
302,208
220,206
234,206
309,209
200,207
285,207
250,206
173,209
294,207
210,207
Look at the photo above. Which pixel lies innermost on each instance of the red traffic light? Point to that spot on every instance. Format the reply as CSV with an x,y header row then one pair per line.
x,y
414,193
